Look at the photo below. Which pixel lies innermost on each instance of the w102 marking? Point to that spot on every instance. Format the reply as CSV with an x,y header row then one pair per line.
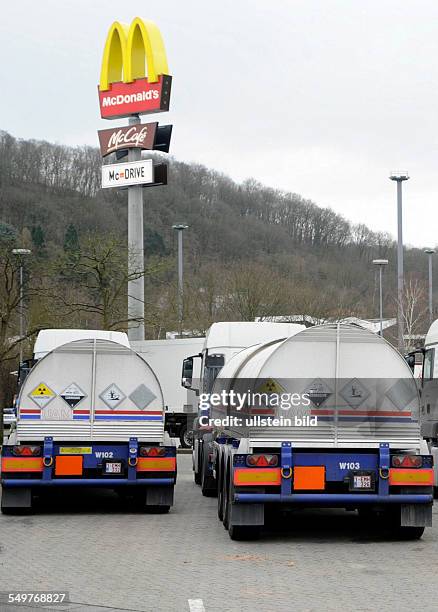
x,y
104,454
349,465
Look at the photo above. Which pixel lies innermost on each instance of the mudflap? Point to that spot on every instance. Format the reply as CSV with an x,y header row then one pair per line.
x,y
159,496
416,515
248,514
16,500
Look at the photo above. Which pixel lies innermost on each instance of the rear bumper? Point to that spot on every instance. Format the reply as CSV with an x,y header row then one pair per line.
x,y
86,482
331,499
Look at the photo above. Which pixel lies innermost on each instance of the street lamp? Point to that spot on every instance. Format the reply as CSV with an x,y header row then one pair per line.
x,y
21,253
399,177
180,227
381,263
430,252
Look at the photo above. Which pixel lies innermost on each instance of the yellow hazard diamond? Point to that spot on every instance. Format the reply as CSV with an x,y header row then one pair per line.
x,y
42,389
270,386
42,395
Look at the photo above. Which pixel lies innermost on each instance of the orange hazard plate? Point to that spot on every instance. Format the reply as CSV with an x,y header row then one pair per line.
x,y
68,465
309,478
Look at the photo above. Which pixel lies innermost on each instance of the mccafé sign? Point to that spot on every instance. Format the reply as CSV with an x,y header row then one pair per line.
x,y
134,78
140,135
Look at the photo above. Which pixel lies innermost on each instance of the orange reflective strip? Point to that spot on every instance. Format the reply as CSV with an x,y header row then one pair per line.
x,y
68,465
156,464
257,476
309,478
22,464
407,476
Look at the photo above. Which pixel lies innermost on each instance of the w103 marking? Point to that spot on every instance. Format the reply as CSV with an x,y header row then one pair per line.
x,y
349,465
104,454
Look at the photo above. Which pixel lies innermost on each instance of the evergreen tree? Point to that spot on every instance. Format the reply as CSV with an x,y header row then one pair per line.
x,y
71,240
38,237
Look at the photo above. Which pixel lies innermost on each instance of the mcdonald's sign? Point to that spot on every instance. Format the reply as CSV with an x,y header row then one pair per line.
x,y
134,79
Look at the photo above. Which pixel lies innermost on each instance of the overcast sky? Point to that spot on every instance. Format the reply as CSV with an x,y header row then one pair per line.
x,y
320,97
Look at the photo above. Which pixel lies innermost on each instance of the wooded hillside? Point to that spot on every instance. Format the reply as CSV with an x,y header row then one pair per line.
x,y
250,250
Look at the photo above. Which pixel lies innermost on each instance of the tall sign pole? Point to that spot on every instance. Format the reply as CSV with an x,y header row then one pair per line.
x,y
399,177
134,80
136,251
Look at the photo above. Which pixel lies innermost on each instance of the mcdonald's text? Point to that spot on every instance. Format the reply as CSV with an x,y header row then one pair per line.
x,y
137,98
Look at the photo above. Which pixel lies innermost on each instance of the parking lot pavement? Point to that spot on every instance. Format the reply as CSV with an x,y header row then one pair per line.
x,y
109,558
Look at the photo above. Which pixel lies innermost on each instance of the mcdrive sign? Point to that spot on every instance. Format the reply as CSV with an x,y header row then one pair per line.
x,y
132,173
140,136
124,88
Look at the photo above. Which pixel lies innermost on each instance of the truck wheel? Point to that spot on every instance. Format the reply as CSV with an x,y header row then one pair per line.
x,y
16,501
220,494
226,496
157,509
197,475
185,437
408,533
208,483
244,532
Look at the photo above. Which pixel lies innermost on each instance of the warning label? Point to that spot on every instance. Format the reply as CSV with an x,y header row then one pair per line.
x,y
270,386
42,395
112,396
72,395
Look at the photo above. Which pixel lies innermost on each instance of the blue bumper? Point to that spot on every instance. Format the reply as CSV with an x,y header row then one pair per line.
x,y
330,499
86,482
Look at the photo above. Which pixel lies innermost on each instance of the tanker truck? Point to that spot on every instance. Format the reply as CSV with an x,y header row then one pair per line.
x,y
328,417
222,341
90,413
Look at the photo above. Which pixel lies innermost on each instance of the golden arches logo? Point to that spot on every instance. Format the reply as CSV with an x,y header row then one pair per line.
x,y
133,52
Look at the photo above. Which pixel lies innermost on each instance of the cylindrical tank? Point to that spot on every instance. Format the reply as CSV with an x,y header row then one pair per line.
x,y
328,385
91,389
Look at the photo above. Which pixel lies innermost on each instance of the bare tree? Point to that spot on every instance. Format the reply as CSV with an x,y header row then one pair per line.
x,y
414,310
94,280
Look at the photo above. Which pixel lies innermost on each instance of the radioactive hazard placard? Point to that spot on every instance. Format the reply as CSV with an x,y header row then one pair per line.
x,y
42,395
72,395
270,385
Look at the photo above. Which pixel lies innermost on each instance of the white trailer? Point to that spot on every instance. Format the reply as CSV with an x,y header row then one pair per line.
x,y
351,439
166,358
89,413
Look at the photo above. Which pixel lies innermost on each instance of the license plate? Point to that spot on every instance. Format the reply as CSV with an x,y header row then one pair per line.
x,y
362,481
113,467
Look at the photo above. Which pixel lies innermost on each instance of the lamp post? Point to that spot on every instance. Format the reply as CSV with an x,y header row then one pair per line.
x,y
381,263
399,177
21,253
430,252
180,227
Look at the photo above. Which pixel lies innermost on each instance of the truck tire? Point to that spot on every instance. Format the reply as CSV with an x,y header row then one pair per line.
x,y
244,532
220,492
208,483
226,496
197,474
157,509
185,437
197,478
408,533
16,501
